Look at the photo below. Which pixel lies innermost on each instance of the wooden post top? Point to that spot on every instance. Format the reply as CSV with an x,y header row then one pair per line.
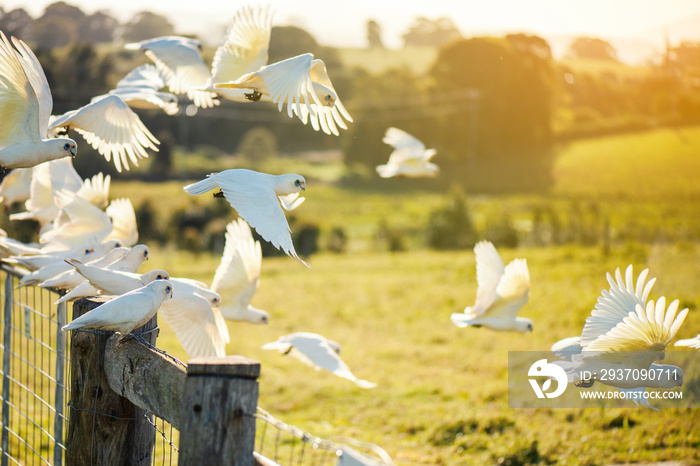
x,y
229,366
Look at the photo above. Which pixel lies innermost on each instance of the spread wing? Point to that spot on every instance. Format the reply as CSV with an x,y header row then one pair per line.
x,y
512,291
689,342
324,117
256,202
87,223
399,139
616,304
238,274
123,217
489,270
20,106
646,330
245,47
110,126
195,324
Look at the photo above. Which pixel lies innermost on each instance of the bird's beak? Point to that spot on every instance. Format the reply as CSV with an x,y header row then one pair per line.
x,y
73,151
303,187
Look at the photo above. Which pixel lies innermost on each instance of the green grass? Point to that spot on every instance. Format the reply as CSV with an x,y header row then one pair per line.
x,y
442,391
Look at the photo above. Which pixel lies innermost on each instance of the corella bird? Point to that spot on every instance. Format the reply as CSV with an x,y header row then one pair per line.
x,y
256,197
140,88
624,331
238,275
243,50
318,352
303,84
501,293
410,158
180,61
25,107
127,311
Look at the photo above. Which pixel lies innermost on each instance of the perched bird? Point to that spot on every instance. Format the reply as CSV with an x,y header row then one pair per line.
x,y
256,197
238,275
689,342
141,88
243,50
302,83
195,318
127,311
33,258
25,107
318,352
180,61
71,278
111,127
409,159
111,280
501,293
624,331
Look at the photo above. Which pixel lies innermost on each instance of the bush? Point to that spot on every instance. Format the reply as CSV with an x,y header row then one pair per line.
x,y
502,232
450,226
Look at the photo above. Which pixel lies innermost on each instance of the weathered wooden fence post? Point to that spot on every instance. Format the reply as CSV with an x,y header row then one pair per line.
x,y
217,415
104,428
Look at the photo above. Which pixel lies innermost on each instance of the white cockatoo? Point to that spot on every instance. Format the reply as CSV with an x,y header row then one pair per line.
x,y
127,311
624,331
501,292
25,107
141,88
111,127
195,318
237,277
257,197
180,61
243,50
71,278
318,352
409,159
689,342
303,84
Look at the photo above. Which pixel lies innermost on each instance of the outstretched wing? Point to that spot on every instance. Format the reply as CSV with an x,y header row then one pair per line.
x,y
110,126
399,139
238,274
123,217
21,109
513,290
614,305
245,48
489,270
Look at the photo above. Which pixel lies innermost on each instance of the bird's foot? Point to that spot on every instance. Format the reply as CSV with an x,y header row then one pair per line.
x,y
253,96
219,194
585,383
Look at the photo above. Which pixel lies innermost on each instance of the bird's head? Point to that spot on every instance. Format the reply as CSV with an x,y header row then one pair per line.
x,y
154,275
325,94
64,147
523,325
289,184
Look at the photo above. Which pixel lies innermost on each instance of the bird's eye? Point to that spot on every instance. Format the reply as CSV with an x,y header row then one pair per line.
x,y
167,289
87,251
159,277
66,146
328,97
145,253
297,183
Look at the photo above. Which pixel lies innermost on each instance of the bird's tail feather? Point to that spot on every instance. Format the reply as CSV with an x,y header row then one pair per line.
x,y
207,184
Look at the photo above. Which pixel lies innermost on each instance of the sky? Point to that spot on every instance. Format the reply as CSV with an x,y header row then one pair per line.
x,y
343,23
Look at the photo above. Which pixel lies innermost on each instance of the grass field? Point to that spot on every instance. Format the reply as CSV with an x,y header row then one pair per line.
x,y
442,391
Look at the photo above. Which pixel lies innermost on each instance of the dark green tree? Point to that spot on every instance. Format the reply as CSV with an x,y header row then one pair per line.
x,y
98,27
374,34
16,23
431,33
146,25
592,47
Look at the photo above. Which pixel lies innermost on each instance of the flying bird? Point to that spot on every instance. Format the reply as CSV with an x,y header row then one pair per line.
x,y
141,89
501,293
15,186
257,197
180,61
238,275
624,331
195,318
409,159
243,50
318,352
127,311
25,107
303,84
